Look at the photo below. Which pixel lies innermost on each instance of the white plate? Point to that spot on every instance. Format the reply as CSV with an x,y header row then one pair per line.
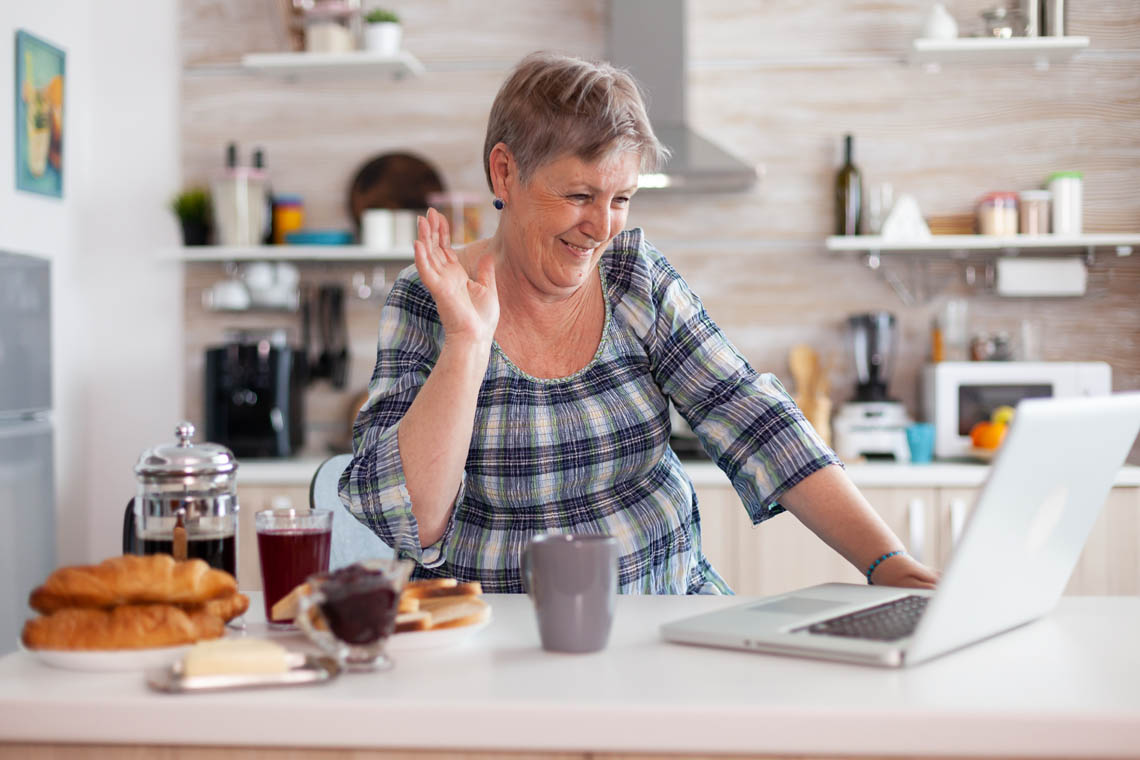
x,y
106,660
447,637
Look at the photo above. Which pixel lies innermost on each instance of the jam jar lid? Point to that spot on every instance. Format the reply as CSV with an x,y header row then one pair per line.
x,y
183,458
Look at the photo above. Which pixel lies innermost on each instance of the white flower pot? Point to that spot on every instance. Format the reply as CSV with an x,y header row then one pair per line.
x,y
383,39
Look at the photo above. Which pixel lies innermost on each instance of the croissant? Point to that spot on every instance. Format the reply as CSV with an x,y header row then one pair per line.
x,y
227,607
132,626
130,579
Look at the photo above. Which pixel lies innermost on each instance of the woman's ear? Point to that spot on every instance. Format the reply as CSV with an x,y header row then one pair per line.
x,y
504,171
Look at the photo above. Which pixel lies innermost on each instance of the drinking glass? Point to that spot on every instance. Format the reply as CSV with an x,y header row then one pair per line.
x,y
293,545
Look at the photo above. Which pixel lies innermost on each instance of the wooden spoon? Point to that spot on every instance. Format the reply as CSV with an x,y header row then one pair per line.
x,y
804,363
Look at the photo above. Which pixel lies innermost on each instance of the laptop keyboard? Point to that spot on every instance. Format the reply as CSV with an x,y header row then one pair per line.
x,y
891,621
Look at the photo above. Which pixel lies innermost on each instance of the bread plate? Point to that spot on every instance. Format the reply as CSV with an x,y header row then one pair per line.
x,y
410,641
105,661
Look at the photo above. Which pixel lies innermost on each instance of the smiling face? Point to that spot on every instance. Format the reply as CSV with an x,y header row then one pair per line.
x,y
558,224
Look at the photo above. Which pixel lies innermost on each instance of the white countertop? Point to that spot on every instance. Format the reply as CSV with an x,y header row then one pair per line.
x,y
297,472
1068,685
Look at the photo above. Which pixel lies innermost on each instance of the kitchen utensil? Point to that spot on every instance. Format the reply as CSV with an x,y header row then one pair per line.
x,y
804,363
190,485
572,580
811,389
392,181
332,361
292,545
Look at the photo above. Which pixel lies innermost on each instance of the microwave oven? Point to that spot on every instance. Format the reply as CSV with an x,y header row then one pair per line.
x,y
957,395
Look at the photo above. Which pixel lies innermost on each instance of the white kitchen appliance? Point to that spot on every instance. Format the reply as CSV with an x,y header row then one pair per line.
x,y
872,425
957,395
1016,554
27,491
871,430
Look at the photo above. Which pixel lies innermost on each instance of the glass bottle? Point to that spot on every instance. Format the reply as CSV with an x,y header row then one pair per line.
x,y
848,194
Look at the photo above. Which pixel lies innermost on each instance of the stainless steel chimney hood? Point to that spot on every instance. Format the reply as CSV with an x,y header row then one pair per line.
x,y
647,37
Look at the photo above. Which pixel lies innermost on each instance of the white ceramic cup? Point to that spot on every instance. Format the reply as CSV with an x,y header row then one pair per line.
x,y
227,294
377,228
404,228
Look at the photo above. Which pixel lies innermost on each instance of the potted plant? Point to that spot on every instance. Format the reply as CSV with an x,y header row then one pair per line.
x,y
382,32
192,206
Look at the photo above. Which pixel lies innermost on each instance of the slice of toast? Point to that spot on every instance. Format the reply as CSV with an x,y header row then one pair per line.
x,y
286,607
460,611
413,621
426,586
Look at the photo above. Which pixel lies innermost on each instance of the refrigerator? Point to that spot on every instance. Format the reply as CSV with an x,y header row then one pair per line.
x,y
27,498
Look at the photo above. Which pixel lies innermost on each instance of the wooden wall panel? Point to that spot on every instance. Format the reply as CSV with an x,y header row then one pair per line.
x,y
778,83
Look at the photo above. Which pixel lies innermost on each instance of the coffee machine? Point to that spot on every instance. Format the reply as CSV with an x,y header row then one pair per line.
x,y
872,425
254,393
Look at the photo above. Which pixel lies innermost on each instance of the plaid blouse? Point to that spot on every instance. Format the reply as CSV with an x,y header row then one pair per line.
x,y
588,453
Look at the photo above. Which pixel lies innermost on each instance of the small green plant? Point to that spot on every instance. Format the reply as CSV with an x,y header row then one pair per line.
x,y
192,205
381,16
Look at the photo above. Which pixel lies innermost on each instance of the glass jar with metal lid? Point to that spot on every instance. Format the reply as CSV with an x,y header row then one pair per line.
x,y
186,493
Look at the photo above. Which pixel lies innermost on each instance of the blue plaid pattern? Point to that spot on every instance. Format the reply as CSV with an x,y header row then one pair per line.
x,y
587,453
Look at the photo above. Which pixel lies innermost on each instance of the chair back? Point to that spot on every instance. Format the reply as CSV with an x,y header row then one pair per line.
x,y
352,540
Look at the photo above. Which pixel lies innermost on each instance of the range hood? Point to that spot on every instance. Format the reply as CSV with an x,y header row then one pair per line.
x,y
647,37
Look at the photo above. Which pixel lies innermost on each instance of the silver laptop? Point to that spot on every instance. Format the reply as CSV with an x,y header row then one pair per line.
x,y
1031,520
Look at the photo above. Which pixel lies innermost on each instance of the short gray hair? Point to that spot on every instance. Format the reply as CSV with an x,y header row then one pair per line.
x,y
555,105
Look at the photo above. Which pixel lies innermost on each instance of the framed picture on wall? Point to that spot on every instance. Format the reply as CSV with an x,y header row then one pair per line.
x,y
39,115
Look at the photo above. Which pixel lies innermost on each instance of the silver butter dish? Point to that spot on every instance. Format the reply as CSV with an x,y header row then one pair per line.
x,y
303,669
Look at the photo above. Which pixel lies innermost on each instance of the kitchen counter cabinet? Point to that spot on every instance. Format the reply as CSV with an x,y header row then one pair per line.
x,y
1110,562
781,554
1065,686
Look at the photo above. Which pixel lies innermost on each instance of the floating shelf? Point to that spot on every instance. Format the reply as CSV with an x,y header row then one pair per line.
x,y
996,50
355,63
1123,242
291,253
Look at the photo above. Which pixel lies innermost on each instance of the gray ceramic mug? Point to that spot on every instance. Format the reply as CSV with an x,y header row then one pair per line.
x,y
572,579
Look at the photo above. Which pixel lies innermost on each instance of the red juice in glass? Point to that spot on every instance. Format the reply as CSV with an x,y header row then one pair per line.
x,y
292,546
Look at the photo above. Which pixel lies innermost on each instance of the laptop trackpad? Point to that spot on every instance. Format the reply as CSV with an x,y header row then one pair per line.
x,y
797,605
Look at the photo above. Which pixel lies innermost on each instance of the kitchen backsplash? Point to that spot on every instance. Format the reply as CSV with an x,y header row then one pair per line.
x,y
778,83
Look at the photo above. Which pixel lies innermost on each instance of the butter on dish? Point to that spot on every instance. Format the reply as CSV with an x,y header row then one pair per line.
x,y
235,657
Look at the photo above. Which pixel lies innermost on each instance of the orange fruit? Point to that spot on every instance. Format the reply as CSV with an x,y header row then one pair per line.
x,y
988,435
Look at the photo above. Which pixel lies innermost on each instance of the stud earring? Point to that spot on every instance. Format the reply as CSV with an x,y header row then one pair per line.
x,y
498,204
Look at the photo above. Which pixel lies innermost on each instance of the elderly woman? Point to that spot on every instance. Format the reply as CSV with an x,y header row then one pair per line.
x,y
522,383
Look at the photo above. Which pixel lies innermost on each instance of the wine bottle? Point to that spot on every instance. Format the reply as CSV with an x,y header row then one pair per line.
x,y
848,195
267,231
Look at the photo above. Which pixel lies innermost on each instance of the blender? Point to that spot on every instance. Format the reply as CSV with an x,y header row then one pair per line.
x,y
872,425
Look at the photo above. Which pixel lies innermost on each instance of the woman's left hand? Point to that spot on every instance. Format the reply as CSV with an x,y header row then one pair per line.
x,y
904,571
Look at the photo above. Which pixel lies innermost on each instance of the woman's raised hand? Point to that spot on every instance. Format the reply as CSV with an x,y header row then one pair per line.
x,y
468,308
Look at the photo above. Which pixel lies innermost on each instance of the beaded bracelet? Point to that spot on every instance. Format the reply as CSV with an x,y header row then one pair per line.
x,y
879,561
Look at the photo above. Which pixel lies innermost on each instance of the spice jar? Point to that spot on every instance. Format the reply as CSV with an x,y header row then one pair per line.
x,y
288,216
1067,191
461,212
1033,212
997,214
